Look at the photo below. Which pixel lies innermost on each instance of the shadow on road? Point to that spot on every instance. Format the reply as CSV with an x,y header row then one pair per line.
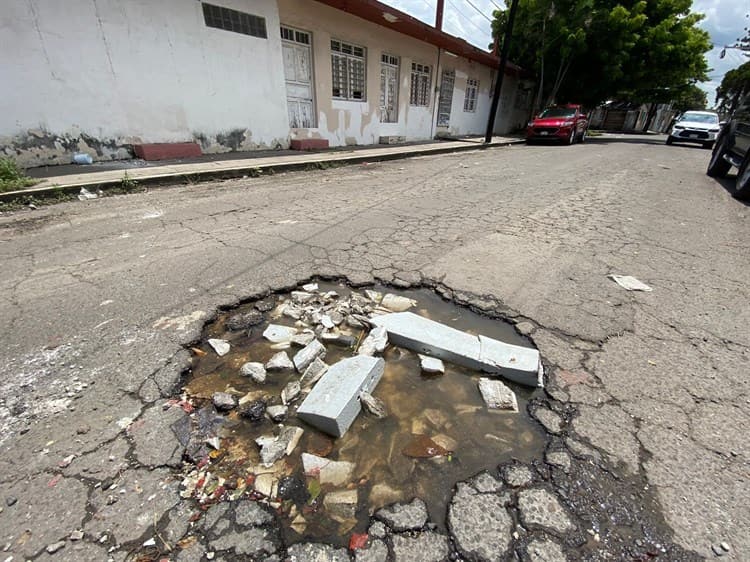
x,y
728,184
639,139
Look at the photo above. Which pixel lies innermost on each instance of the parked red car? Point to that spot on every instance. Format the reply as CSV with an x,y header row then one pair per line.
x,y
562,123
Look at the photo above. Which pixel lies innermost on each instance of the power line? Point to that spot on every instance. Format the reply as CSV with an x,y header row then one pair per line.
x,y
480,12
460,13
496,6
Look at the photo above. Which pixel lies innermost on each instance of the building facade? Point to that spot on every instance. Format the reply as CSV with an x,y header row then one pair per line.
x,y
99,76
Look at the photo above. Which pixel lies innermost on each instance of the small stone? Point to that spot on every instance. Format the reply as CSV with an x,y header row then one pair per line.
x,y
377,530
725,546
375,342
291,392
149,542
373,405
302,296
374,296
54,547
552,421
310,287
431,365
83,430
336,317
256,371
280,362
277,413
404,516
76,535
717,550
302,339
253,411
525,328
326,322
266,304
395,303
293,488
327,471
341,505
560,459
307,355
221,347
224,401
244,321
276,333
314,371
517,476
497,396
10,501
272,447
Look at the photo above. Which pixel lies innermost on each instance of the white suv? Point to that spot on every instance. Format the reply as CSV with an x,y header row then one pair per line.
x,y
696,126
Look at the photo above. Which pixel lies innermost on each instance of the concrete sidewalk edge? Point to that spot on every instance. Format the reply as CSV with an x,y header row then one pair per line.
x,y
208,174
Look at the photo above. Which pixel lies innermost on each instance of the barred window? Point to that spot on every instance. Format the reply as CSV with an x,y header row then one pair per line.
x,y
470,101
420,84
295,36
348,69
232,20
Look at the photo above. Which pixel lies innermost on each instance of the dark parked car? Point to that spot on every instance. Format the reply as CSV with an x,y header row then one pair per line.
x,y
562,123
732,148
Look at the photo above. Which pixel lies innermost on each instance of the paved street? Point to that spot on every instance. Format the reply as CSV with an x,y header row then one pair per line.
x,y
647,404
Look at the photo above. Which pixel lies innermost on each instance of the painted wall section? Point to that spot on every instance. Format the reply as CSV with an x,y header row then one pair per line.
x,y
96,75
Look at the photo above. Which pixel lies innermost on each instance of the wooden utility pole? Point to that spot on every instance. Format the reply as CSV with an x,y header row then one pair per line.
x,y
501,71
439,15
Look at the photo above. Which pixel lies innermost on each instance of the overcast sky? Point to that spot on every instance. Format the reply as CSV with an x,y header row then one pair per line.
x,y
725,21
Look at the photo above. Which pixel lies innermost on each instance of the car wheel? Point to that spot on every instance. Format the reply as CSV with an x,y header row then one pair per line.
x,y
742,185
717,166
669,140
571,138
583,136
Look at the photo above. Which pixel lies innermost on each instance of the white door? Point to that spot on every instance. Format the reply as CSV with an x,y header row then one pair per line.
x,y
389,88
446,98
298,74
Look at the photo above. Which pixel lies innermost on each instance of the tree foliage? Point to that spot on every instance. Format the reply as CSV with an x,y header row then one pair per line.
x,y
733,86
592,50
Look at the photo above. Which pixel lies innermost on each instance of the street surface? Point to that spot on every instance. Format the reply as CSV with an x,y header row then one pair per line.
x,y
647,404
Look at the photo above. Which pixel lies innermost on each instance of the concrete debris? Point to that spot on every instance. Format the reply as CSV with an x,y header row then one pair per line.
x,y
629,283
395,303
336,317
374,296
341,505
334,403
337,473
253,411
244,321
275,333
302,296
519,364
280,362
291,310
85,194
214,442
310,287
303,338
76,535
52,548
221,347
373,405
431,365
255,371
375,342
291,392
497,396
277,413
326,322
313,373
224,401
274,447
307,355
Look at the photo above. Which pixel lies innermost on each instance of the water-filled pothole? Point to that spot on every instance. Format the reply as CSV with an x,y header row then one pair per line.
x,y
428,414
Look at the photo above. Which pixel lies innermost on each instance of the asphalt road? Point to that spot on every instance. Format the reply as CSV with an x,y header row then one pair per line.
x,y
98,298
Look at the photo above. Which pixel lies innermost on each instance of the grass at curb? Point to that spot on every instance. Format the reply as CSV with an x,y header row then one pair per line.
x,y
12,177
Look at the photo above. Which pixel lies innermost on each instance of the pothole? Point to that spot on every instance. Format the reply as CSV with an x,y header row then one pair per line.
x,y
437,430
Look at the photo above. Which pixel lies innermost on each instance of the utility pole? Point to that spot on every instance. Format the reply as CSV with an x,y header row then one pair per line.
x,y
439,15
501,71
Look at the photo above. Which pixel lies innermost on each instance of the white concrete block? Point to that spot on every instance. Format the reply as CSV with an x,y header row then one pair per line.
x,y
333,404
516,363
307,355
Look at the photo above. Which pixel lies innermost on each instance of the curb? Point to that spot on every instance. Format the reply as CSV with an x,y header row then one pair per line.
x,y
245,170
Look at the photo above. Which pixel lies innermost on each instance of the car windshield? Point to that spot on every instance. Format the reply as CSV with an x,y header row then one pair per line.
x,y
557,112
700,117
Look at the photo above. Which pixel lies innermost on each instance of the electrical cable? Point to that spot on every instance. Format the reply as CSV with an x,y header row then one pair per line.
x,y
480,12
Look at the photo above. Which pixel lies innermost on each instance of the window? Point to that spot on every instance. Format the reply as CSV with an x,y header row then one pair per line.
x,y
348,64
470,101
420,84
294,35
232,20
389,88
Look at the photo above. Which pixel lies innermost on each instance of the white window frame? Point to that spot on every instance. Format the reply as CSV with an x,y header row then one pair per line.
x,y
351,60
470,98
391,62
421,82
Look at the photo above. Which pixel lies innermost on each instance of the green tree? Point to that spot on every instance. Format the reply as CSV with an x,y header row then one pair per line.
x,y
594,50
733,86
689,97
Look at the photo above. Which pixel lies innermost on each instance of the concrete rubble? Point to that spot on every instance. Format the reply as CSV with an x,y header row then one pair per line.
x,y
221,347
333,403
375,342
519,364
431,365
254,370
497,396
336,473
273,447
308,354
276,333
279,362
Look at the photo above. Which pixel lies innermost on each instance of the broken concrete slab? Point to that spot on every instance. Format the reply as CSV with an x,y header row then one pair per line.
x,y
375,342
221,347
303,338
224,401
291,392
277,413
334,403
314,371
397,303
516,363
273,447
497,396
307,355
341,505
280,362
256,371
431,365
374,406
327,471
276,333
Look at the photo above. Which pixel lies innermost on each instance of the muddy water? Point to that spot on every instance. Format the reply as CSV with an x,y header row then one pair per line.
x,y
448,408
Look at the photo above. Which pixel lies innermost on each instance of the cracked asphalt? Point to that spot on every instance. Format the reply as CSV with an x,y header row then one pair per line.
x,y
646,405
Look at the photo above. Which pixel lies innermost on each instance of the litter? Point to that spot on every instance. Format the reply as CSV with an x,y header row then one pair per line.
x,y
629,283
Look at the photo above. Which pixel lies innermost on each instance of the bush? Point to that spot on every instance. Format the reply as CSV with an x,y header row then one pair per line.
x,y
12,177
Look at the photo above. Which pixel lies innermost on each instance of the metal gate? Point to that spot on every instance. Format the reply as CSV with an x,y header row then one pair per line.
x,y
298,74
446,98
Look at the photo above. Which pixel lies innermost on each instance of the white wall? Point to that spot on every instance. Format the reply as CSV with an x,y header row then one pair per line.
x,y
94,75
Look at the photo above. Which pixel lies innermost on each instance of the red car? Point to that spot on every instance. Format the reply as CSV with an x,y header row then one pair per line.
x,y
564,123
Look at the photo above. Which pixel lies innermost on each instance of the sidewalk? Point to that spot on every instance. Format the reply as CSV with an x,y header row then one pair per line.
x,y
210,167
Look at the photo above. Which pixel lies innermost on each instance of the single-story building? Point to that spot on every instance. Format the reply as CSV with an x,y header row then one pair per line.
x,y
102,76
